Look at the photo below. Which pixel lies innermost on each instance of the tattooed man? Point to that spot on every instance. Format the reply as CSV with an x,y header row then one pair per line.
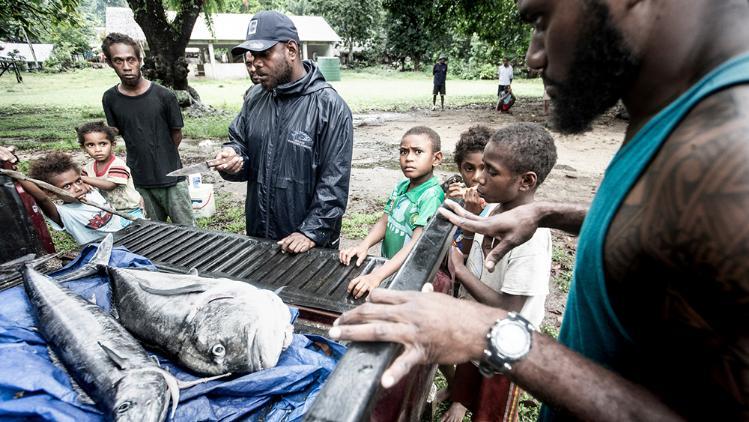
x,y
657,322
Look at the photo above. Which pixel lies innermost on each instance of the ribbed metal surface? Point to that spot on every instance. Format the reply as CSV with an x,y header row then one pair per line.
x,y
315,279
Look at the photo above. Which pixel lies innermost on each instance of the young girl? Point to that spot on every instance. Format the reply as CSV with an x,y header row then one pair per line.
x,y
468,154
107,172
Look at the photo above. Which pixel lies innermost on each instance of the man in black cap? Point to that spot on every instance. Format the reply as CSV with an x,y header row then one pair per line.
x,y
291,142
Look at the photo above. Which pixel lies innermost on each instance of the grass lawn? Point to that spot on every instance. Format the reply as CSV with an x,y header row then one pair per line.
x,y
41,112
363,90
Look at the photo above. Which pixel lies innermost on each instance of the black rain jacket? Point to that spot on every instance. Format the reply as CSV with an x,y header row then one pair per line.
x,y
296,142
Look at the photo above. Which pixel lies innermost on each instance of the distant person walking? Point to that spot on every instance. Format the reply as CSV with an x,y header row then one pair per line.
x,y
504,71
440,76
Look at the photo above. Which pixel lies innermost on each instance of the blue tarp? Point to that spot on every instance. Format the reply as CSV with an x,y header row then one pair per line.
x,y
32,387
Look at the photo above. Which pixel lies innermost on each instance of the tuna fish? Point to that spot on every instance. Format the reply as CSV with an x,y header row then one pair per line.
x,y
210,326
106,361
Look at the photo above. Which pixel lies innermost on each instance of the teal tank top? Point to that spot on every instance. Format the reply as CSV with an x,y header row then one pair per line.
x,y
590,326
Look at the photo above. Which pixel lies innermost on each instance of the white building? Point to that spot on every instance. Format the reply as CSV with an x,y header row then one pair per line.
x,y
317,39
22,53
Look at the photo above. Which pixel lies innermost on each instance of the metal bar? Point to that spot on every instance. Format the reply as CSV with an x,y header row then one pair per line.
x,y
296,268
275,253
150,233
349,393
321,264
186,260
220,251
230,263
349,269
330,272
176,252
152,241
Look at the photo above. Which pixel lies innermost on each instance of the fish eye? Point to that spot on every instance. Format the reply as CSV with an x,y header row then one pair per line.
x,y
124,407
218,350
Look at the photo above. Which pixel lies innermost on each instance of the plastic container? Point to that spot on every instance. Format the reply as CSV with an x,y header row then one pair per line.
x,y
195,180
203,200
330,67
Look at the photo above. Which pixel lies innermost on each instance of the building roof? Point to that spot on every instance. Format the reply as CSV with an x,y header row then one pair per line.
x,y
42,51
227,27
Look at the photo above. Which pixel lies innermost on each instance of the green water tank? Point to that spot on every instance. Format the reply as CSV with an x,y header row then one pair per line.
x,y
330,68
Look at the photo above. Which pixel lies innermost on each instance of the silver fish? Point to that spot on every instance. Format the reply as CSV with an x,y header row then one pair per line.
x,y
211,326
106,361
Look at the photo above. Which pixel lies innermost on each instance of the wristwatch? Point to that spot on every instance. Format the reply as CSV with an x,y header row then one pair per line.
x,y
508,341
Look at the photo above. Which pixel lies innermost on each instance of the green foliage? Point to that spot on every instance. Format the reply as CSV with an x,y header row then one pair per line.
x,y
355,21
63,241
412,29
550,330
356,225
563,261
529,408
496,22
34,15
229,216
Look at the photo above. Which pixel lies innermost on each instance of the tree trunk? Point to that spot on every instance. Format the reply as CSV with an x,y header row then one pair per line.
x,y
165,61
350,52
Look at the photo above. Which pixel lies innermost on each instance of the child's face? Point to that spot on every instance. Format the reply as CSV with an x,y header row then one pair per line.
x,y
496,182
97,146
416,157
70,180
468,167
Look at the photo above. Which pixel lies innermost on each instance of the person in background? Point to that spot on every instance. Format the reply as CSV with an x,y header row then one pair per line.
x,y
149,119
504,72
439,72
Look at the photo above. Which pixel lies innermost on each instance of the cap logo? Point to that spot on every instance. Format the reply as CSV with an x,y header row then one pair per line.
x,y
252,28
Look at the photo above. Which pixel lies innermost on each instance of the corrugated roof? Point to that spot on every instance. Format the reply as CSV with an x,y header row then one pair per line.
x,y
227,27
43,51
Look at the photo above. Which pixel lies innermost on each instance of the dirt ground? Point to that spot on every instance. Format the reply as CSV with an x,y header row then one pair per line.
x,y
581,162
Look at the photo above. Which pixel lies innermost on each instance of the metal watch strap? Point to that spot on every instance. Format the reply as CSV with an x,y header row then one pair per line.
x,y
494,362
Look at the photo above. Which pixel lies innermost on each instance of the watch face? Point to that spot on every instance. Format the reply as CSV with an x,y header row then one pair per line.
x,y
512,339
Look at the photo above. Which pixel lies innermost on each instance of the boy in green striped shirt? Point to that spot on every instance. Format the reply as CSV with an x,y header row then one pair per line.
x,y
410,206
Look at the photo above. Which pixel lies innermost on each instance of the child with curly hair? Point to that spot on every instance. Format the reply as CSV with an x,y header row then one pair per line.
x,y
84,223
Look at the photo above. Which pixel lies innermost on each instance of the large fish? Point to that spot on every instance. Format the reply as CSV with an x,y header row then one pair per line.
x,y
106,361
211,326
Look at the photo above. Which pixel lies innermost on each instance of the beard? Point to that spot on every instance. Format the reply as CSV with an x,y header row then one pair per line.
x,y
602,68
284,76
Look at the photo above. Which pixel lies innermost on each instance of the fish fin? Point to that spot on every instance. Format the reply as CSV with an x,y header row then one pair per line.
x,y
156,360
99,259
204,301
118,360
188,384
103,251
193,271
191,288
279,290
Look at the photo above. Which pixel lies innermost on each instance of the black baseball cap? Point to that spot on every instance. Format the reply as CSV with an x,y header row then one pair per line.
x,y
266,29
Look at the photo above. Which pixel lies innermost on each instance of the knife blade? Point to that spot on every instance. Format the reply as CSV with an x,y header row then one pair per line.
x,y
203,167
